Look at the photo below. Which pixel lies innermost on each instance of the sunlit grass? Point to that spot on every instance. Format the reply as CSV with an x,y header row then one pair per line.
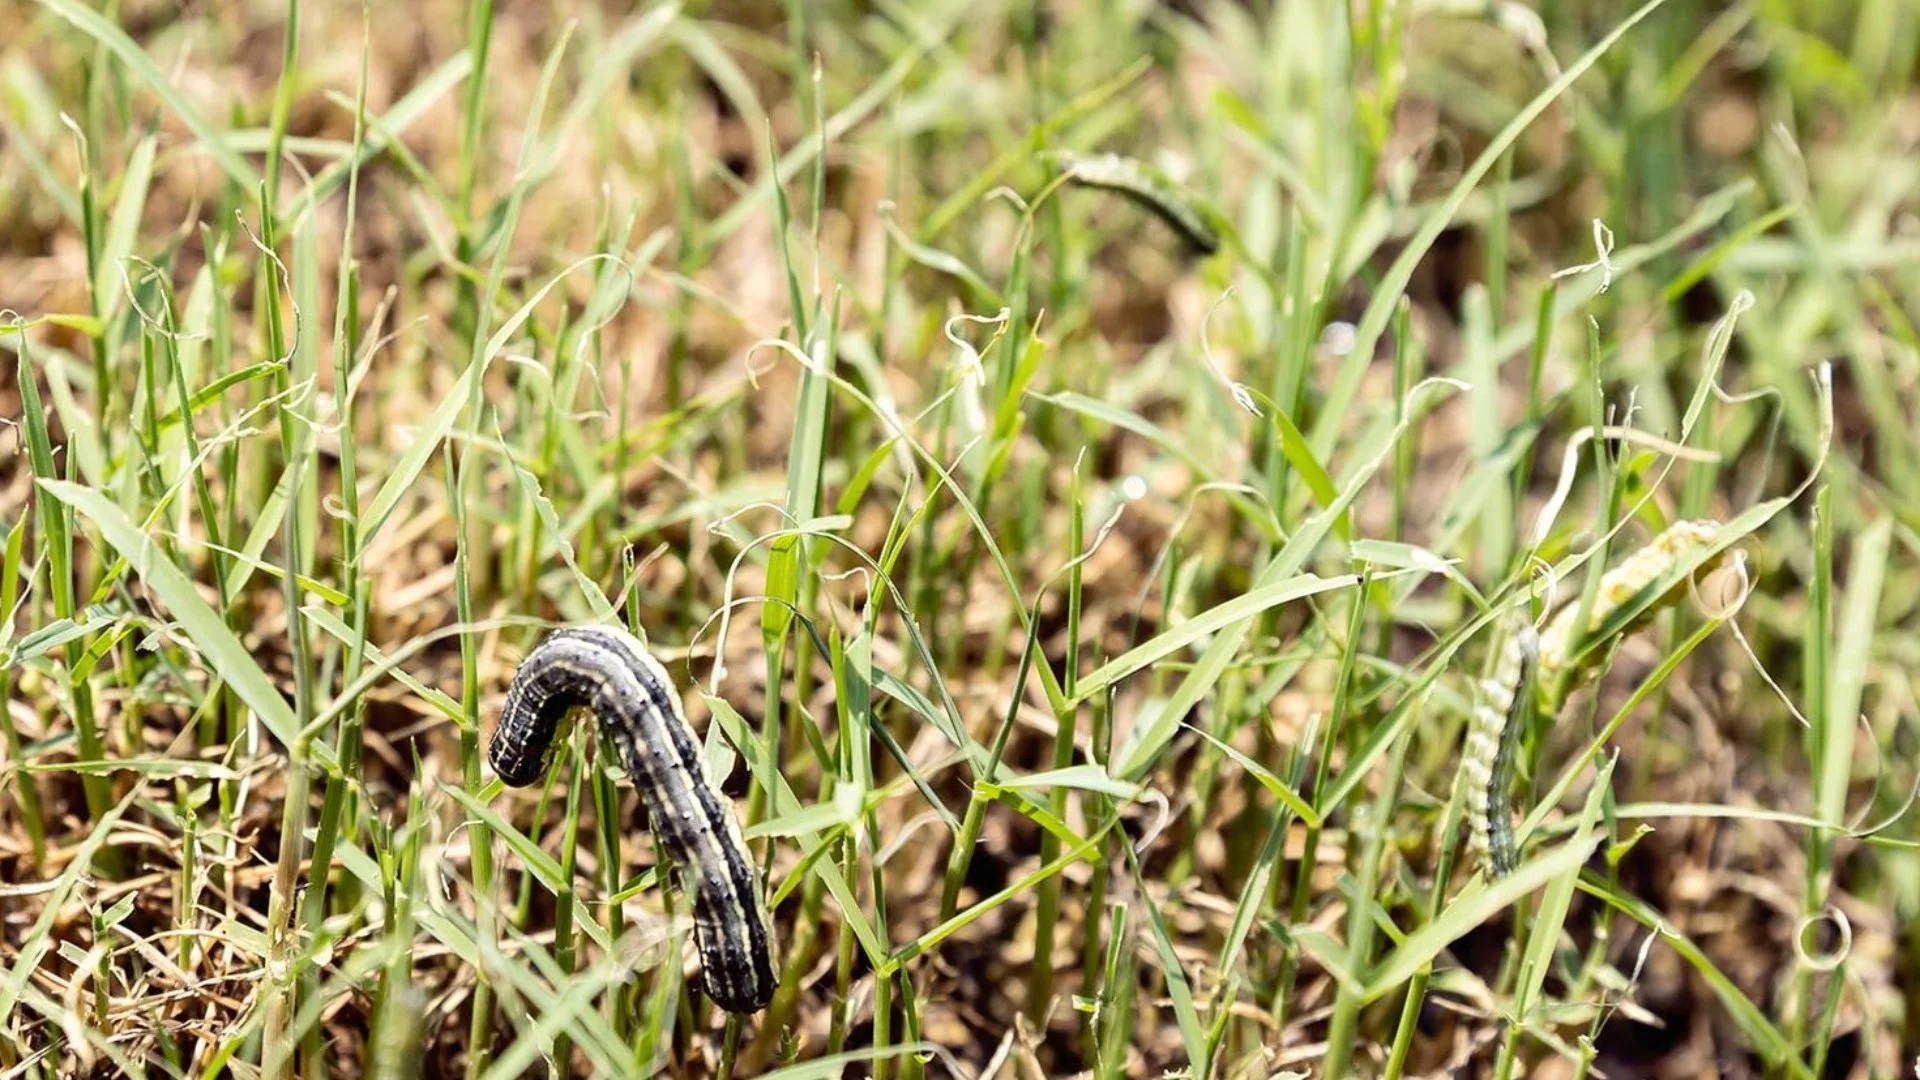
x,y
1084,597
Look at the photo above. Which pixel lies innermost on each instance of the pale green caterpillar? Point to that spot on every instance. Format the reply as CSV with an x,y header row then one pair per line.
x,y
1617,587
1492,753
1531,674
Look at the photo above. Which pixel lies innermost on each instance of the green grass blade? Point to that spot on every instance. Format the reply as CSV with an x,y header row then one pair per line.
x,y
1752,1022
1237,611
1386,295
231,660
212,141
1474,905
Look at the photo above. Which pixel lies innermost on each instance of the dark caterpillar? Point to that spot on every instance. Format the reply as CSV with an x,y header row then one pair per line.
x,y
1146,188
610,673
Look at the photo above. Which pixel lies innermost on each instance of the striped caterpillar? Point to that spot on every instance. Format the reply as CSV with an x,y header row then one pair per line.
x,y
1617,587
610,673
1131,178
1492,753
1530,674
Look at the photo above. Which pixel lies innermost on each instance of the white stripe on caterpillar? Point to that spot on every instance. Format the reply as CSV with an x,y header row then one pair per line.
x,y
610,673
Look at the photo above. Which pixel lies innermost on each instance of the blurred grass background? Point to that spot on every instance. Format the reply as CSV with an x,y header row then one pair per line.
x,y
1085,624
